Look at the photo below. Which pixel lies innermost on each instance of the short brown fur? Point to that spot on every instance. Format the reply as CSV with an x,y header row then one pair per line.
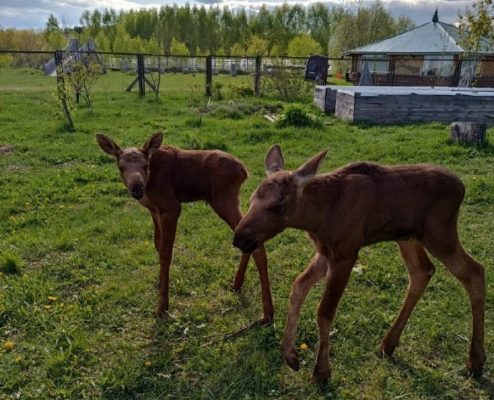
x,y
415,205
161,178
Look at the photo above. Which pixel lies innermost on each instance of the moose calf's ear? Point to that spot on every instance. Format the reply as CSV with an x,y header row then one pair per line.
x,y
108,145
153,143
274,160
307,171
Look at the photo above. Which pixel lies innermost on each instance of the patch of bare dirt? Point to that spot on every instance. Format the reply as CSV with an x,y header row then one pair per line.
x,y
6,149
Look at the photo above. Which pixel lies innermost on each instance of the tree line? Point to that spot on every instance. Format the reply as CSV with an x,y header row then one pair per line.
x,y
294,30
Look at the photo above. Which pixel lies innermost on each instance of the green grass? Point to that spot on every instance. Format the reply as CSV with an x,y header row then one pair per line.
x,y
78,287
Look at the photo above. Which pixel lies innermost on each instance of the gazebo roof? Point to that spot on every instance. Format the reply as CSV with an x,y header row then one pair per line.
x,y
431,38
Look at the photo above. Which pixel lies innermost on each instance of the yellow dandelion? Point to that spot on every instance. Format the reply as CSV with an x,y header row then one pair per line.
x,y
18,359
62,305
146,243
304,346
148,363
52,298
47,307
9,345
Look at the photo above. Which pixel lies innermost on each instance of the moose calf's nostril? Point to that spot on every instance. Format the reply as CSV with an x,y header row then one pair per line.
x,y
237,240
137,191
245,243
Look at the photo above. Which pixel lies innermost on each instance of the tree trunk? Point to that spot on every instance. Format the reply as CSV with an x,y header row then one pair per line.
x,y
468,133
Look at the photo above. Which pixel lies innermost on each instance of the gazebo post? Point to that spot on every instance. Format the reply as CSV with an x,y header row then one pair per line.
x,y
391,74
457,74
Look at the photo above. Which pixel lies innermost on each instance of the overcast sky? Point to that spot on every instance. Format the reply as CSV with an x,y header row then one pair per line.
x,y
34,13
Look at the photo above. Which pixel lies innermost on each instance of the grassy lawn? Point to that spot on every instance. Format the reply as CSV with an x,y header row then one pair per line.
x,y
79,284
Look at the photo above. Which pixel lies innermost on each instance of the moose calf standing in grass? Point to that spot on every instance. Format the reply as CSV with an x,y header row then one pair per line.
x,y
161,178
360,204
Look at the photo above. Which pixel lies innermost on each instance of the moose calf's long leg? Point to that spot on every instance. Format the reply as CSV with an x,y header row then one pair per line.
x,y
337,279
168,227
441,239
420,270
315,271
228,210
447,248
240,275
156,223
261,261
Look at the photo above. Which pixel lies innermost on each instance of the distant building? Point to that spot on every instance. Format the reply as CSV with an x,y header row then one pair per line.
x,y
430,54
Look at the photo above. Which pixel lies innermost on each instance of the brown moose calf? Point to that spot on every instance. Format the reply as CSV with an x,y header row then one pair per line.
x,y
161,178
417,206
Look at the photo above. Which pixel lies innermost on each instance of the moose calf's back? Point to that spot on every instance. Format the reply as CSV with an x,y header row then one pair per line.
x,y
195,174
376,202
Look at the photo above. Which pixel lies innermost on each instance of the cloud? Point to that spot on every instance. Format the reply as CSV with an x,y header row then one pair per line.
x,y
34,13
210,1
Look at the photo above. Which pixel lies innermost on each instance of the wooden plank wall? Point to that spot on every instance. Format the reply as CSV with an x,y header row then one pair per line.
x,y
414,107
325,99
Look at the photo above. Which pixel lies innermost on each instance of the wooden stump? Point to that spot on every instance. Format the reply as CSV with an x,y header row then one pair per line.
x,y
469,133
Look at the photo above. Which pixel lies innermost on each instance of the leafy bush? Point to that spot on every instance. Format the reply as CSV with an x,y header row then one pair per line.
x,y
286,83
234,110
6,60
243,90
194,143
193,122
10,263
298,116
217,86
82,78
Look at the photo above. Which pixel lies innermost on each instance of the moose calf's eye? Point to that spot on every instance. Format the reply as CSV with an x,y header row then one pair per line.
x,y
277,209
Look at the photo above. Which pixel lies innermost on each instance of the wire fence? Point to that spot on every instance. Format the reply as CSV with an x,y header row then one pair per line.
x,y
129,62
212,75
437,70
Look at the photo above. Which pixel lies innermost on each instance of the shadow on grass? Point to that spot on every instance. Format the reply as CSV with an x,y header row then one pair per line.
x,y
187,364
426,383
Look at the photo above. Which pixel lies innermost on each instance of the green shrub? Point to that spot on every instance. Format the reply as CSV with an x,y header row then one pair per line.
x,y
10,263
298,116
286,83
217,86
193,122
194,143
243,90
6,60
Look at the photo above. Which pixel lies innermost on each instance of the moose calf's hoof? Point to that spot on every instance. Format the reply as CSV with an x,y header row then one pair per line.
x,y
474,369
291,358
266,321
386,350
321,376
162,311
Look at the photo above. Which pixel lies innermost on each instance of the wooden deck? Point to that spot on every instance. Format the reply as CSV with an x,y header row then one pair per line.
x,y
390,105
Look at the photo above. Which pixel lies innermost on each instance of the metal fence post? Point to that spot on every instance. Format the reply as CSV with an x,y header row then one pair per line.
x,y
209,76
140,74
257,76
